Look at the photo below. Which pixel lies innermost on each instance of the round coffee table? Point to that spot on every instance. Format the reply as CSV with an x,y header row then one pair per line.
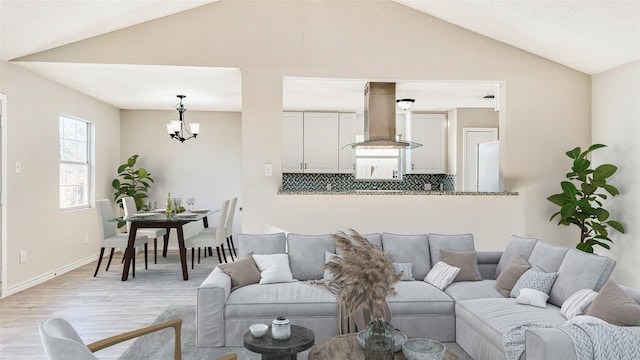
x,y
346,347
300,340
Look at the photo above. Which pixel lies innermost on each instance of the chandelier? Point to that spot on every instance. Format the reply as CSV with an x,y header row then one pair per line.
x,y
177,129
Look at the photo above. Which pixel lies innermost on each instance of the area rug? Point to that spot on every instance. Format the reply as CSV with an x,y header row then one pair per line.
x,y
159,345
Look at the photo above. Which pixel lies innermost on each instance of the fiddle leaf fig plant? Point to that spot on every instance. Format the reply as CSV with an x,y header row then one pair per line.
x,y
131,182
582,197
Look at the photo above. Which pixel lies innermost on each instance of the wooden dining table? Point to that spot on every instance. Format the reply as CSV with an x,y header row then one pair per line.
x,y
160,220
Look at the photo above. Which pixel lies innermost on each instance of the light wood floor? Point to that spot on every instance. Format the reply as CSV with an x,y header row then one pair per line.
x,y
98,307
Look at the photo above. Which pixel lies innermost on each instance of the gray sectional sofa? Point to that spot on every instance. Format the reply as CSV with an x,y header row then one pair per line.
x,y
472,313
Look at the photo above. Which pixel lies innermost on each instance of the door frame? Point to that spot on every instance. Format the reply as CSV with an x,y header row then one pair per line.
x,y
3,194
465,131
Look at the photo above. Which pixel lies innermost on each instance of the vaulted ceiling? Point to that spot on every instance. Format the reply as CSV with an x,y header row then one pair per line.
x,y
589,36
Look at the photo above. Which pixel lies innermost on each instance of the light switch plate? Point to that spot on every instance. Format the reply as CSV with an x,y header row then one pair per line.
x,y
268,169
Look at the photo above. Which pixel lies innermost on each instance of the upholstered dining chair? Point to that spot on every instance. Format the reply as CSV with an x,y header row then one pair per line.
x,y
62,342
129,206
210,237
229,227
111,239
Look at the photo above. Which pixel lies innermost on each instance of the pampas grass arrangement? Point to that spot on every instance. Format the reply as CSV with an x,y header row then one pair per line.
x,y
363,276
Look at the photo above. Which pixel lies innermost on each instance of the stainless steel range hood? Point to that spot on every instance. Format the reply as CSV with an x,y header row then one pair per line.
x,y
380,118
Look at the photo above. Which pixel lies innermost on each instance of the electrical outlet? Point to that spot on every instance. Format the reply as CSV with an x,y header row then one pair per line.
x,y
18,167
86,238
23,256
268,169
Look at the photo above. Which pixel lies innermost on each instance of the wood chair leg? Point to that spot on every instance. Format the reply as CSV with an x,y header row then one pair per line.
x,y
193,255
166,244
133,262
230,251
223,255
99,261
210,251
199,255
146,267
155,250
110,257
233,246
219,258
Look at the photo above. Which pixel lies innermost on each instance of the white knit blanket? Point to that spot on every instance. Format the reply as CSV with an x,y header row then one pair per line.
x,y
591,341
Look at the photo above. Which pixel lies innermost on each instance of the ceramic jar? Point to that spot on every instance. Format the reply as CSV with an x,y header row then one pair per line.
x,y
280,328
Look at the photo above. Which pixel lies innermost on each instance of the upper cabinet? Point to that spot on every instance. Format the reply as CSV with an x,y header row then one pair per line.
x,y
310,142
346,136
430,131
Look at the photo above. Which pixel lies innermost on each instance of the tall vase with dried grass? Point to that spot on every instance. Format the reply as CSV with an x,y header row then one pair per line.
x,y
363,277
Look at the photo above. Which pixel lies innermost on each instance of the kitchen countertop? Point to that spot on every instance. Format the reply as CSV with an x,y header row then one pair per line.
x,y
394,192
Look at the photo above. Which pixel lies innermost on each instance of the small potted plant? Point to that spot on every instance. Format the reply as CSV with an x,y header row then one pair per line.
x,y
582,197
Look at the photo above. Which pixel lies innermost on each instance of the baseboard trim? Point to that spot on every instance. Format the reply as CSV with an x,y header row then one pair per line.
x,y
48,276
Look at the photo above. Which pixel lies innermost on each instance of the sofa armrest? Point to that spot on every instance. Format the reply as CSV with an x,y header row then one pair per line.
x,y
211,298
548,343
487,263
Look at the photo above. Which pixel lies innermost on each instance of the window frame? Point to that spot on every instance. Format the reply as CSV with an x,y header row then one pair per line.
x,y
88,164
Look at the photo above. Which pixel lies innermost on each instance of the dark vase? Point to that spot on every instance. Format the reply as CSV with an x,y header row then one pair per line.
x,y
379,343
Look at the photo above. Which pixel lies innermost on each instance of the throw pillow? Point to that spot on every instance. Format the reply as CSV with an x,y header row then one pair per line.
x,y
584,319
404,270
517,246
466,261
614,306
577,303
328,276
534,278
242,272
510,275
274,268
441,275
532,297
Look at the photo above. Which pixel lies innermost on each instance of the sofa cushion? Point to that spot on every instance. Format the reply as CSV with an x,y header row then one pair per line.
x,y
511,274
242,272
466,261
307,255
534,278
517,246
462,242
493,317
465,290
547,257
408,249
614,306
419,298
283,299
580,270
262,244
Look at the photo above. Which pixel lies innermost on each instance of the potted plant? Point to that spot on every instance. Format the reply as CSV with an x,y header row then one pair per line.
x,y
581,200
131,182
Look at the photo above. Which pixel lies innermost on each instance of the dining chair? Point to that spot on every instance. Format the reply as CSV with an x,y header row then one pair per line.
x,y
111,239
130,208
229,227
210,237
62,342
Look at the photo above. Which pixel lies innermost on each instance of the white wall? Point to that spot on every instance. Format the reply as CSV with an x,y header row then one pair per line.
x,y
616,110
207,168
546,108
53,239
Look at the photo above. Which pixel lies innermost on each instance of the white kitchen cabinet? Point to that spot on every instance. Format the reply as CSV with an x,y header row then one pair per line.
x,y
310,142
292,138
430,131
346,136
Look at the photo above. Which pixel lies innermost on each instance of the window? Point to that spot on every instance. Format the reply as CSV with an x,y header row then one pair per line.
x,y
74,163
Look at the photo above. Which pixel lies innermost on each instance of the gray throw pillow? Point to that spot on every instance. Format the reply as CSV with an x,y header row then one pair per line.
x,y
404,270
517,246
536,279
242,272
458,242
328,276
547,257
511,274
614,306
466,261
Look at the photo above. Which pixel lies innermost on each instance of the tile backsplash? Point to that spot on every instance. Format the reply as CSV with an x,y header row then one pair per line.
x,y
345,182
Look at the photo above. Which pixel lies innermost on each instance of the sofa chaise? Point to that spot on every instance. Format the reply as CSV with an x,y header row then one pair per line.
x,y
475,314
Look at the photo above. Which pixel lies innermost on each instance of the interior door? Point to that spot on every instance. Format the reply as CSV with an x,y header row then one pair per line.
x,y
471,137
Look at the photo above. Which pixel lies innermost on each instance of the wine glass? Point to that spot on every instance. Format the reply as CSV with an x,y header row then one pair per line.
x,y
177,202
191,201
